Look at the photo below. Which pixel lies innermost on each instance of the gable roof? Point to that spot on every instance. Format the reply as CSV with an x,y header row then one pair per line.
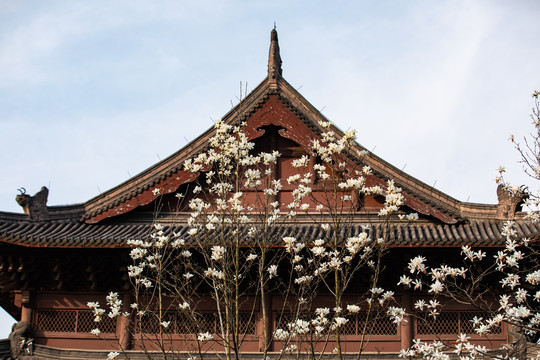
x,y
273,100
168,175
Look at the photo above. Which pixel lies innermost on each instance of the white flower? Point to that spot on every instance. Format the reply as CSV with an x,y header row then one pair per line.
x,y
206,336
214,273
218,252
302,162
184,306
289,349
186,253
318,250
417,264
165,324
92,305
178,243
412,217
396,314
112,355
251,257
322,312
156,192
303,279
436,287
281,334
353,309
339,321
420,304
324,124
95,331
405,280
272,271
463,338
376,291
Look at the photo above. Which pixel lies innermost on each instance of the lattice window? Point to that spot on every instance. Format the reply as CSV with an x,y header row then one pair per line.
x,y
185,324
81,321
206,322
182,323
444,323
282,320
450,322
247,323
56,321
381,325
149,324
85,322
351,326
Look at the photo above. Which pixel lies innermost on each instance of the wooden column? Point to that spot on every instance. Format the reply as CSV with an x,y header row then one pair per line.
x,y
26,308
124,326
407,326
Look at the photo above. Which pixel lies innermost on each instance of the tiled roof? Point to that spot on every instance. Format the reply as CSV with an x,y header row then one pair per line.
x,y
81,235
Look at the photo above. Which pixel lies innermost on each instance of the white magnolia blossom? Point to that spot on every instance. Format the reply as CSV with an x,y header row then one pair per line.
x,y
396,314
272,271
204,337
115,304
112,355
281,335
339,321
218,252
214,273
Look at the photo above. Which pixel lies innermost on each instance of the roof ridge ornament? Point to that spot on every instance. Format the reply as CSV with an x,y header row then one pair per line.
x,y
34,206
274,60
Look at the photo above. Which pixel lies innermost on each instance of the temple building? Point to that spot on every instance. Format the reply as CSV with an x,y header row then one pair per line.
x,y
54,260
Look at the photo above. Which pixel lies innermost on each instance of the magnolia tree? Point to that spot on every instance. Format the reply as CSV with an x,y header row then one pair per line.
x,y
503,284
237,251
335,190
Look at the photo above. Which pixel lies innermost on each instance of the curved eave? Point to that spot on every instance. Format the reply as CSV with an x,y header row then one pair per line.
x,y
484,233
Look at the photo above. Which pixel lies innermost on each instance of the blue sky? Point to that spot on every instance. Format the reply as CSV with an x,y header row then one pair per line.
x,y
92,93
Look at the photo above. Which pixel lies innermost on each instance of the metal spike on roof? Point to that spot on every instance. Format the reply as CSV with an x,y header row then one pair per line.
x,y
274,60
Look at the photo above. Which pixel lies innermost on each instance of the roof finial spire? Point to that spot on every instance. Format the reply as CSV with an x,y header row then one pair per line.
x,y
274,60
